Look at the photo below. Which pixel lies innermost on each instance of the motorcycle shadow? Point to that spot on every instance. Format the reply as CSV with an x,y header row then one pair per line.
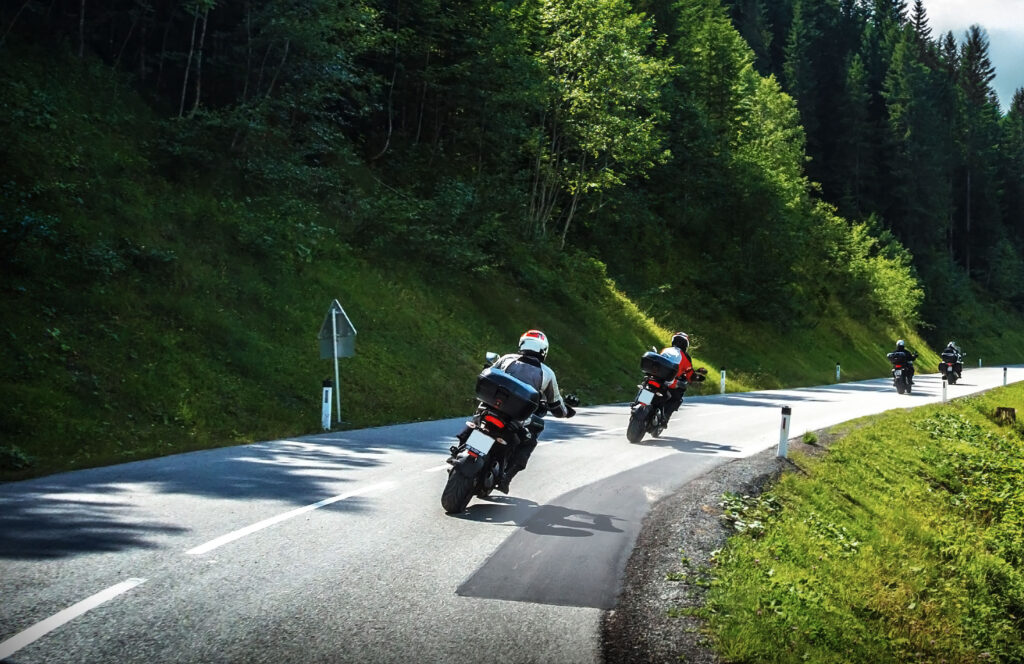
x,y
540,519
688,446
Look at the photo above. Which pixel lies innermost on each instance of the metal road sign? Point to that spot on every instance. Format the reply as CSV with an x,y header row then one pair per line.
x,y
337,334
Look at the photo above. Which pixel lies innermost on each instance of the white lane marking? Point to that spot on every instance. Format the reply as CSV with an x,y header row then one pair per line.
x,y
266,523
41,629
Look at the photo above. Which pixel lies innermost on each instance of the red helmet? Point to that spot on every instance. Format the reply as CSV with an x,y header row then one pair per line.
x,y
534,341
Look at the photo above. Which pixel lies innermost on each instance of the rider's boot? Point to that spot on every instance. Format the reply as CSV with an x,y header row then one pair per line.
x,y
505,479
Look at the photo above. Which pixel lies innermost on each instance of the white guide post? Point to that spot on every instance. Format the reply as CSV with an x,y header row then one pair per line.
x,y
837,372
325,412
722,390
943,388
979,362
1004,376
784,432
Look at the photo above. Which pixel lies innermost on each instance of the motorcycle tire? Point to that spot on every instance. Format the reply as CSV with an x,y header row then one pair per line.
x,y
952,379
457,492
900,388
637,424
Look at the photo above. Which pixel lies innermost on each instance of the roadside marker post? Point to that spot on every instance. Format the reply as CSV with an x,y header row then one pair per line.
x,y
979,362
722,390
325,411
784,433
1004,376
943,388
837,372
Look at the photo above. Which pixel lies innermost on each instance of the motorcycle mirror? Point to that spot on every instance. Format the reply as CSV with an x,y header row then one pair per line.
x,y
490,357
654,349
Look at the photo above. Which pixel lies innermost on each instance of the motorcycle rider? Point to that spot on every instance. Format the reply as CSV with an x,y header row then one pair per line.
x,y
951,355
903,356
528,366
678,352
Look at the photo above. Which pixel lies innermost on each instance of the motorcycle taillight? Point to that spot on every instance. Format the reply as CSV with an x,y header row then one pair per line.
x,y
899,366
654,383
495,421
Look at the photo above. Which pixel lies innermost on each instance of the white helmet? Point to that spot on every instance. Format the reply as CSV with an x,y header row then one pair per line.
x,y
534,341
899,344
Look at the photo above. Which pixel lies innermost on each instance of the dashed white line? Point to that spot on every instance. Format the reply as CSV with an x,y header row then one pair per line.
x,y
41,629
266,523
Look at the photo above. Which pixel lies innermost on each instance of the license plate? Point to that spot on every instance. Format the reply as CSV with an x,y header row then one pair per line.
x,y
645,397
479,442
898,372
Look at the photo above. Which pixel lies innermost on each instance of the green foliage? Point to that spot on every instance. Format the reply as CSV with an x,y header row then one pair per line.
x,y
904,542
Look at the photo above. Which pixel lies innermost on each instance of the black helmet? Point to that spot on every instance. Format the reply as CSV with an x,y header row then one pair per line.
x,y
899,344
681,340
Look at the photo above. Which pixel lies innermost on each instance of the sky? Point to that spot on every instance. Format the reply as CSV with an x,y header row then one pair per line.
x,y
1003,20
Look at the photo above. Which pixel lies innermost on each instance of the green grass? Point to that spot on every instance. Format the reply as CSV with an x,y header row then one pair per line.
x,y
904,543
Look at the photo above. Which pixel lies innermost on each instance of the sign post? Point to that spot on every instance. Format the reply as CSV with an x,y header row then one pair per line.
x,y
337,339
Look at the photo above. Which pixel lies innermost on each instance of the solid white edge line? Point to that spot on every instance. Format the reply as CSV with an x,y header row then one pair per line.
x,y
41,629
266,523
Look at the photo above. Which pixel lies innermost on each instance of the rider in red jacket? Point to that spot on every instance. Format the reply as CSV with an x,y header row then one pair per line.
x,y
685,375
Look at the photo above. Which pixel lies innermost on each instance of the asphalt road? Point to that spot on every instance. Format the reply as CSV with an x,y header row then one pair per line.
x,y
334,548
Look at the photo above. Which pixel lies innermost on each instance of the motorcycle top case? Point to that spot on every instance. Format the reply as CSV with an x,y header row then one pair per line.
x,y
659,366
506,394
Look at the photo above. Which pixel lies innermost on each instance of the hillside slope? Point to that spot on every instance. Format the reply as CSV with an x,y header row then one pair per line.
x,y
146,315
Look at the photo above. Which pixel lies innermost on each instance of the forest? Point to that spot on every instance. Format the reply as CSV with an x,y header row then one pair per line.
x,y
772,163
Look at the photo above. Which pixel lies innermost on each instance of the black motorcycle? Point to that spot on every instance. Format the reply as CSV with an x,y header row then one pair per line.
x,y
510,413
902,371
647,413
951,367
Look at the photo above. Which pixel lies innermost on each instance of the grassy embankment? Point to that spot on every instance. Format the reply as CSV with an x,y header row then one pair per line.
x,y
905,542
144,315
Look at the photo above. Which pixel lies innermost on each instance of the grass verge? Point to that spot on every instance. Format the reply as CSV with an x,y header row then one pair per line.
x,y
905,542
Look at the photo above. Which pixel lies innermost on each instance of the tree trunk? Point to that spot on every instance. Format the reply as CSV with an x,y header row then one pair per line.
x,y
199,64
248,54
575,201
188,63
284,56
163,51
81,29
14,20
967,234
120,51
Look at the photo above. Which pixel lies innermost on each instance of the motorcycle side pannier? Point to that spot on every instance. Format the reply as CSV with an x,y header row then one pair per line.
x,y
507,394
659,366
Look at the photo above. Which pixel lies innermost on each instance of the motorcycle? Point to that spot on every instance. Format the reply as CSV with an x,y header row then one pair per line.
x,y
951,367
509,413
901,375
647,413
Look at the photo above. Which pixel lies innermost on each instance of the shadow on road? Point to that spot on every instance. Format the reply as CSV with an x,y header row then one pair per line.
x,y
552,520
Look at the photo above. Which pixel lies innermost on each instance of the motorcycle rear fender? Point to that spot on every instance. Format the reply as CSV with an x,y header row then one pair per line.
x,y
469,465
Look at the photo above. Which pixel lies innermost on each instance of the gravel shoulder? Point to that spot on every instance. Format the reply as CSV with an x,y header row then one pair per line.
x,y
667,571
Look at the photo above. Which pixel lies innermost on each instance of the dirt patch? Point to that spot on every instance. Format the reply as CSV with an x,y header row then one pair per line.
x,y
666,576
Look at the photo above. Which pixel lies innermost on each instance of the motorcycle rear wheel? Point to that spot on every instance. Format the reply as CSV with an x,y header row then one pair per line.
x,y
457,492
637,424
900,388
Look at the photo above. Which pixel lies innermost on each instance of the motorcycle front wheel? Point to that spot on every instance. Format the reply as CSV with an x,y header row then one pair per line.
x,y
457,492
637,424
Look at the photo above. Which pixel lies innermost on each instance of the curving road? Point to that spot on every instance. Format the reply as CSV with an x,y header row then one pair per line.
x,y
334,548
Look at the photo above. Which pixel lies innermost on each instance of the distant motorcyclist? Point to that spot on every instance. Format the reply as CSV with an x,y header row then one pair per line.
x,y
528,366
952,354
686,374
903,356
